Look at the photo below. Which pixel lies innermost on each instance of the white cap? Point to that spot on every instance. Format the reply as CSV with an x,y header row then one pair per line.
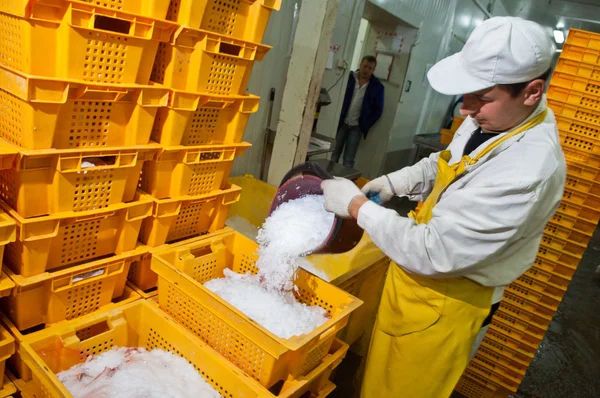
x,y
502,50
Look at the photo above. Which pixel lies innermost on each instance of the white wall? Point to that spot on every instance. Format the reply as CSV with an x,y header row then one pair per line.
x,y
271,72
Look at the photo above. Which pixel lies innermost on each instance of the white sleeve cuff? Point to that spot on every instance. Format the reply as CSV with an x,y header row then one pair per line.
x,y
369,215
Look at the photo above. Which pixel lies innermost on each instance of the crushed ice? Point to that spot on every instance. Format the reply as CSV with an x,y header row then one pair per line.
x,y
133,373
295,229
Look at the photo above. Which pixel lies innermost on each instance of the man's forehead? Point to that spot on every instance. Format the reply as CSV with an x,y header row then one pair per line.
x,y
483,92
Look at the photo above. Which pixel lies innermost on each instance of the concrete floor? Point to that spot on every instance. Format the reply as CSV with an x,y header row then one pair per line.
x,y
568,361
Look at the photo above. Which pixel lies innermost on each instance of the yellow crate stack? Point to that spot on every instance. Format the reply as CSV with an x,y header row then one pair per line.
x,y
531,301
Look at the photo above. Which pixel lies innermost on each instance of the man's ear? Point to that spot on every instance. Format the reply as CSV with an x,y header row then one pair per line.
x,y
534,92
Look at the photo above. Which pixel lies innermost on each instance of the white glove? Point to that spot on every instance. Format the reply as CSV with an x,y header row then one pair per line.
x,y
383,186
338,193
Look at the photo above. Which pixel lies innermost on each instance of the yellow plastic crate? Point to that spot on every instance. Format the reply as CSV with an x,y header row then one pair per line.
x,y
583,38
143,324
189,171
551,279
517,301
16,365
75,40
583,171
67,294
176,219
145,294
507,378
570,234
260,354
490,354
46,243
524,349
577,112
7,348
580,69
140,274
197,119
246,19
513,337
542,322
523,359
561,270
325,391
587,88
579,142
570,126
579,225
8,388
8,232
156,9
581,158
51,182
553,241
574,195
525,291
40,113
520,324
469,388
446,136
6,285
588,214
580,54
205,62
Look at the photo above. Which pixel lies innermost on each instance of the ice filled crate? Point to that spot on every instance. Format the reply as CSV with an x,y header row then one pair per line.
x,y
143,324
80,41
245,19
183,269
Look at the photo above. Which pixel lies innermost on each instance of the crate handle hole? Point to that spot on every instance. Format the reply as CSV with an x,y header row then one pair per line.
x,y
92,331
115,25
97,161
201,251
230,49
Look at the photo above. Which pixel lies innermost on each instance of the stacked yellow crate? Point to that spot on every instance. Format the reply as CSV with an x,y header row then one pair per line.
x,y
206,66
77,115
532,300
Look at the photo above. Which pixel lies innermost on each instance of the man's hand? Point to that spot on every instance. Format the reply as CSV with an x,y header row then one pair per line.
x,y
339,194
382,185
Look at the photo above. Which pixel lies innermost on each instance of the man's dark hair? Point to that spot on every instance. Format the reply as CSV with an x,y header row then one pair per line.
x,y
370,59
515,89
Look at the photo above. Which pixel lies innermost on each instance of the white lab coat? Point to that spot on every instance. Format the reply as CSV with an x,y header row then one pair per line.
x,y
488,224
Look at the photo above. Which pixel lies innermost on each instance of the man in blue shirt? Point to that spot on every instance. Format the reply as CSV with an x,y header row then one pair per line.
x,y
363,105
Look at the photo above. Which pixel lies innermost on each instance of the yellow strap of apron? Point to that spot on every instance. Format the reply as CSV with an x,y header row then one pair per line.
x,y
447,174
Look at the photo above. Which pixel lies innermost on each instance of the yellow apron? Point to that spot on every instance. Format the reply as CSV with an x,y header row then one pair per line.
x,y
425,327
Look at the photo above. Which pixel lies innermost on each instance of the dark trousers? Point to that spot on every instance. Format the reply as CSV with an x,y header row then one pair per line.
x,y
348,136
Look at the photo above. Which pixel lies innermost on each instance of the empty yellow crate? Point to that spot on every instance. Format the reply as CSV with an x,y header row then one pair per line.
x,y
589,214
7,348
182,270
581,158
149,8
581,112
576,224
17,366
70,293
567,125
568,233
446,136
50,242
584,171
587,71
583,38
502,375
197,119
580,54
533,319
50,182
556,281
577,103
141,275
576,196
176,219
472,389
8,232
524,350
182,171
562,270
525,291
517,301
143,324
589,89
205,62
579,142
523,359
43,113
498,357
513,337
555,242
75,40
245,19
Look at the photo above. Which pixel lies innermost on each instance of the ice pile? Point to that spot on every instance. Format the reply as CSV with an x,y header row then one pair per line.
x,y
296,228
134,373
278,312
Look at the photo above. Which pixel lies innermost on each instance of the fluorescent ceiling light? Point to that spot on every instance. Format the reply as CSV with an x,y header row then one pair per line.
x,y
559,36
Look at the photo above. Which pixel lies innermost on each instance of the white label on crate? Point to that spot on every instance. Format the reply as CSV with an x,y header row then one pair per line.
x,y
87,275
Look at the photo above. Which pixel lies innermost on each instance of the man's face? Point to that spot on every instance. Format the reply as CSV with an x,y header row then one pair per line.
x,y
494,109
366,69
